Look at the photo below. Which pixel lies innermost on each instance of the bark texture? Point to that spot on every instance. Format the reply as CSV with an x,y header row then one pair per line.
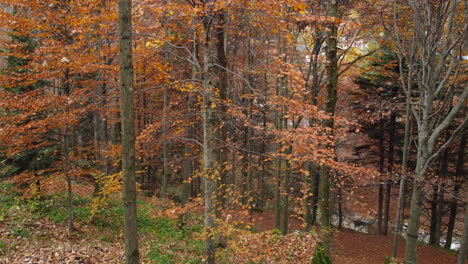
x,y
132,254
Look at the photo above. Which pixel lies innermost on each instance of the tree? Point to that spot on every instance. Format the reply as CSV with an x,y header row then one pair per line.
x,y
464,245
401,193
326,178
460,177
432,53
132,254
52,86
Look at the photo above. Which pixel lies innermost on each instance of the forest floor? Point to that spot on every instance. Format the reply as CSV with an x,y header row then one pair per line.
x,y
352,247
35,231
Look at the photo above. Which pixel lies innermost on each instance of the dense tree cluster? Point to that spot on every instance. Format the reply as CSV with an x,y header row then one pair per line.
x,y
299,107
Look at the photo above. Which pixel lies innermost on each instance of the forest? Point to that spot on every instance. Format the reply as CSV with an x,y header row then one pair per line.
x,y
233,131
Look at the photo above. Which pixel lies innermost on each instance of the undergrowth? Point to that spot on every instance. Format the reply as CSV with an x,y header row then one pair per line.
x,y
167,240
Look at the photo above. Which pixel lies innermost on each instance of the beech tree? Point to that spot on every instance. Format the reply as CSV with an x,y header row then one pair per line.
x,y
132,254
331,100
433,52
239,110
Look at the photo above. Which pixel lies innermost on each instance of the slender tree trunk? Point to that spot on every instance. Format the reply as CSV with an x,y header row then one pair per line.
x,y
330,107
315,197
97,149
277,193
439,212
462,253
132,255
209,168
250,187
310,201
66,146
222,86
187,164
313,179
188,181
438,201
401,196
459,175
391,152
388,192
340,208
278,162
381,173
66,169
325,209
452,216
246,168
418,186
285,198
287,164
434,206
166,169
262,181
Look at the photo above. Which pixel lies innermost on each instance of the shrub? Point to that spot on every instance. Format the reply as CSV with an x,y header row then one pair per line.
x,y
275,232
390,260
320,257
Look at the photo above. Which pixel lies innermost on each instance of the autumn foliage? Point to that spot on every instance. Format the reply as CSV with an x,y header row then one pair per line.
x,y
236,94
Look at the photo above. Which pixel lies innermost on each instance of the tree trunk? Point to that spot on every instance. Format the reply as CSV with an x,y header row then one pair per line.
x,y
132,255
277,193
462,253
434,206
209,168
97,149
66,146
340,208
66,168
313,179
401,195
330,107
391,152
388,193
187,169
416,197
222,86
285,197
452,216
381,173
246,168
459,175
187,164
278,161
439,212
315,197
427,66
166,169
311,201
438,202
